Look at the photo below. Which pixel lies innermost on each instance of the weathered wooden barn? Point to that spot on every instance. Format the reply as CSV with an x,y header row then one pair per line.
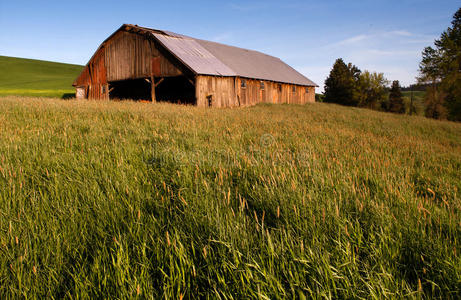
x,y
147,64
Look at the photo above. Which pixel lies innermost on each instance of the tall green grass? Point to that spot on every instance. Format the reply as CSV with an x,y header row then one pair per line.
x,y
124,199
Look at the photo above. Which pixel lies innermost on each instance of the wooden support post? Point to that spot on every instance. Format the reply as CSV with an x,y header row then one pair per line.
x,y
152,91
107,91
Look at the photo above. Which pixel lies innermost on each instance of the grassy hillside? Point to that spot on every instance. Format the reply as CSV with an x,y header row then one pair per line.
x,y
29,77
122,199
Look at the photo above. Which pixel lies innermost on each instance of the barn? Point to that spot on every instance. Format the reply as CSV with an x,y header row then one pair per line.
x,y
147,64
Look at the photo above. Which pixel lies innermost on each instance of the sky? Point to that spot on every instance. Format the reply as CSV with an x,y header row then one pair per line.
x,y
384,36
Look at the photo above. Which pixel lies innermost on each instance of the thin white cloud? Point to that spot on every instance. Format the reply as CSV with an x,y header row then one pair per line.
x,y
357,39
399,33
349,41
393,52
353,39
396,53
242,7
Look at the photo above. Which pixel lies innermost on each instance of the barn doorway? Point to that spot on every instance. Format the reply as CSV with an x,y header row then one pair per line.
x,y
176,89
134,89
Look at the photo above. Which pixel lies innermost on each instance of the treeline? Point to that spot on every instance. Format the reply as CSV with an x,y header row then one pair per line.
x,y
348,85
440,69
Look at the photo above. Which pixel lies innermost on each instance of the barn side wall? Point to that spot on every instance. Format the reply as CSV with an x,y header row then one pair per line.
x,y
221,90
273,92
229,92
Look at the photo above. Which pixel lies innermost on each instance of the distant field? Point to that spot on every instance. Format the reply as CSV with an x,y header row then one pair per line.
x,y
418,100
28,77
120,200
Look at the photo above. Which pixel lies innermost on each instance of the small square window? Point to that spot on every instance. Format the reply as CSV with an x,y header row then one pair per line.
x,y
307,90
262,85
294,89
243,83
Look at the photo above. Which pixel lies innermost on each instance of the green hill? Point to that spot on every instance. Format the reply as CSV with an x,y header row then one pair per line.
x,y
29,77
102,199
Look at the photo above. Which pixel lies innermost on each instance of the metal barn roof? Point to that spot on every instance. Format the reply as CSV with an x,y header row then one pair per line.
x,y
211,58
192,54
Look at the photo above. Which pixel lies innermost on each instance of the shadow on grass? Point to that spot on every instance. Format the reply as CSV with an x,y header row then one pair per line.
x,y
68,96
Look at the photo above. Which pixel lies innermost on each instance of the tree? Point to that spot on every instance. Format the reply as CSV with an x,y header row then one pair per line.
x,y
347,85
371,89
441,66
396,104
435,107
340,86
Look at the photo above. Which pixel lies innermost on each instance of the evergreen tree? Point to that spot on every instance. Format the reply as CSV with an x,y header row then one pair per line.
x,y
442,68
340,86
435,104
396,104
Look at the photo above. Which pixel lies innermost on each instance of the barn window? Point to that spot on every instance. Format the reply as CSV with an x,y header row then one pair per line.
x,y
262,85
294,89
279,86
243,84
307,90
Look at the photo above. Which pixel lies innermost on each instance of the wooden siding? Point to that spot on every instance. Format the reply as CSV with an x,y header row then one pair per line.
x,y
94,77
273,92
220,89
130,56
125,56
228,92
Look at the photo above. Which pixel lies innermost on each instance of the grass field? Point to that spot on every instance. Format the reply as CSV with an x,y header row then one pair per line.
x,y
123,199
29,77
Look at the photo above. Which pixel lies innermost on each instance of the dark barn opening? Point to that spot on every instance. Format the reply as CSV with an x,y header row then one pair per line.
x,y
168,89
176,89
134,89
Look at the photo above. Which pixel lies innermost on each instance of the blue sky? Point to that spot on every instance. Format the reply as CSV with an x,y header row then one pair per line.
x,y
384,36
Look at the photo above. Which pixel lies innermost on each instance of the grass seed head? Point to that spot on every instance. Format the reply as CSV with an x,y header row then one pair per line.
x,y
168,239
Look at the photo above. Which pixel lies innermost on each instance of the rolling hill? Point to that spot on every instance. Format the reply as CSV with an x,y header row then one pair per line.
x,y
29,77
